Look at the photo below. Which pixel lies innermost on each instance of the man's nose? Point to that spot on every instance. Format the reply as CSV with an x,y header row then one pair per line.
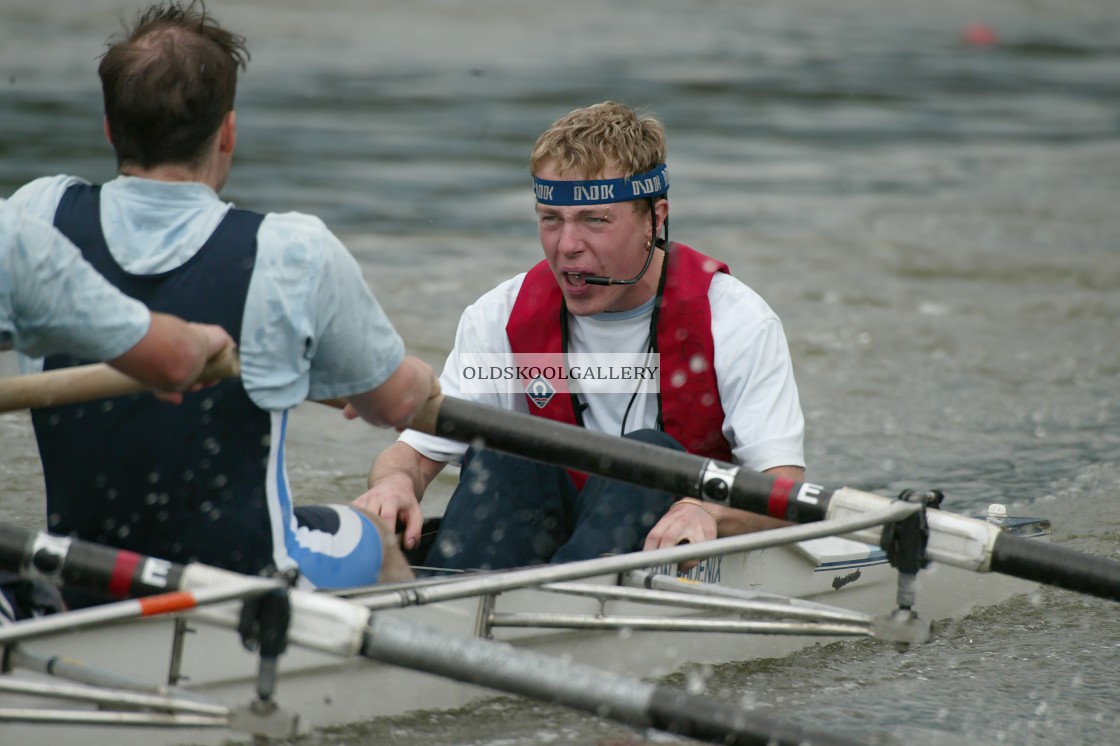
x,y
570,240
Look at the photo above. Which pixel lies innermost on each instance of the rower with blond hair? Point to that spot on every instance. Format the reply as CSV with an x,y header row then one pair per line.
x,y
610,284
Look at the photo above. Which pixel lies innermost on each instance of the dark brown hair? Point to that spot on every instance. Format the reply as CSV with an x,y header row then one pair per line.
x,y
168,83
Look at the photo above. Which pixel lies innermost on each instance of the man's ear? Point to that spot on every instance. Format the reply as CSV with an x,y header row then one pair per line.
x,y
661,207
108,134
227,135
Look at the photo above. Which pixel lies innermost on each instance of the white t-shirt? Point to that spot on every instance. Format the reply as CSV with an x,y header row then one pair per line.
x,y
311,329
763,420
53,301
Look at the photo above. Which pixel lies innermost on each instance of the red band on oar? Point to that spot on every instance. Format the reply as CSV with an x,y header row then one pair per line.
x,y
167,602
778,503
123,567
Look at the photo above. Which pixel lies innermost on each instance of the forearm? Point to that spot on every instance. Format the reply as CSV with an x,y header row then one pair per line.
x,y
396,401
169,357
402,463
732,521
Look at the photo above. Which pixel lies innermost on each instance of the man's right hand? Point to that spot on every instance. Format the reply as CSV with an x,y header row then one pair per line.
x,y
192,344
216,340
393,500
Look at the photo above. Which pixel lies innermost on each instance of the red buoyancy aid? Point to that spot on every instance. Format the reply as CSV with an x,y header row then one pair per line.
x,y
691,410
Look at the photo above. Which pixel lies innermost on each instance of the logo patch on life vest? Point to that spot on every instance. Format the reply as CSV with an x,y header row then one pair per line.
x,y
540,391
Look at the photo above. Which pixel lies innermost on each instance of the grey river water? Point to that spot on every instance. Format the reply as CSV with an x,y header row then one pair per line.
x,y
934,220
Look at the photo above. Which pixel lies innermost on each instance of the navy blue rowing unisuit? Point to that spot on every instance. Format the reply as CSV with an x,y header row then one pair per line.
x,y
202,481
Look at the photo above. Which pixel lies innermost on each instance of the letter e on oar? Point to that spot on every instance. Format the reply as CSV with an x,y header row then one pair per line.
x,y
154,572
809,493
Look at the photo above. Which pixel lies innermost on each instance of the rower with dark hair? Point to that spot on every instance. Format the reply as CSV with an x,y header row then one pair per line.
x,y
207,482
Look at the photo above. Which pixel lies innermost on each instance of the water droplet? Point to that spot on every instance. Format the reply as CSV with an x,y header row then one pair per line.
x,y
449,545
697,682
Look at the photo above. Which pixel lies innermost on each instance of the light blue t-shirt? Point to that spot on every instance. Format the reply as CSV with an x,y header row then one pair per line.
x,y
52,301
311,330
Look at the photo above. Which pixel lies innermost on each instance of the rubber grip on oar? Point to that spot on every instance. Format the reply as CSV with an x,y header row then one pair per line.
x,y
1031,559
425,420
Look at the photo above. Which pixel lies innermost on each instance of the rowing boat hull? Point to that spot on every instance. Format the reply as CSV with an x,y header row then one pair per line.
x,y
325,690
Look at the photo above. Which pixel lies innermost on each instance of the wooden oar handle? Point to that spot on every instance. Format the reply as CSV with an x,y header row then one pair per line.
x,y
226,364
97,381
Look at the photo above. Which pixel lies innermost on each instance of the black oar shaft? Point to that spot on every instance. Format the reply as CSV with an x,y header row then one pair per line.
x,y
801,502
574,447
619,698
1056,565
627,460
115,573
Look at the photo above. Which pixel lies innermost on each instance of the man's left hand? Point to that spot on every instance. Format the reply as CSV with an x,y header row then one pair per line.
x,y
687,522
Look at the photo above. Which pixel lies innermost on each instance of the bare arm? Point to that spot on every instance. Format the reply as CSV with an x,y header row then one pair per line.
x,y
396,401
400,474
397,482
172,354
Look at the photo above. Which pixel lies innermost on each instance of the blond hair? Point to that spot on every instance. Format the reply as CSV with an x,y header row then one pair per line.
x,y
591,141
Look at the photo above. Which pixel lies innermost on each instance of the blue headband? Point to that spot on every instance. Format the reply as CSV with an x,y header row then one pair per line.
x,y
651,184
